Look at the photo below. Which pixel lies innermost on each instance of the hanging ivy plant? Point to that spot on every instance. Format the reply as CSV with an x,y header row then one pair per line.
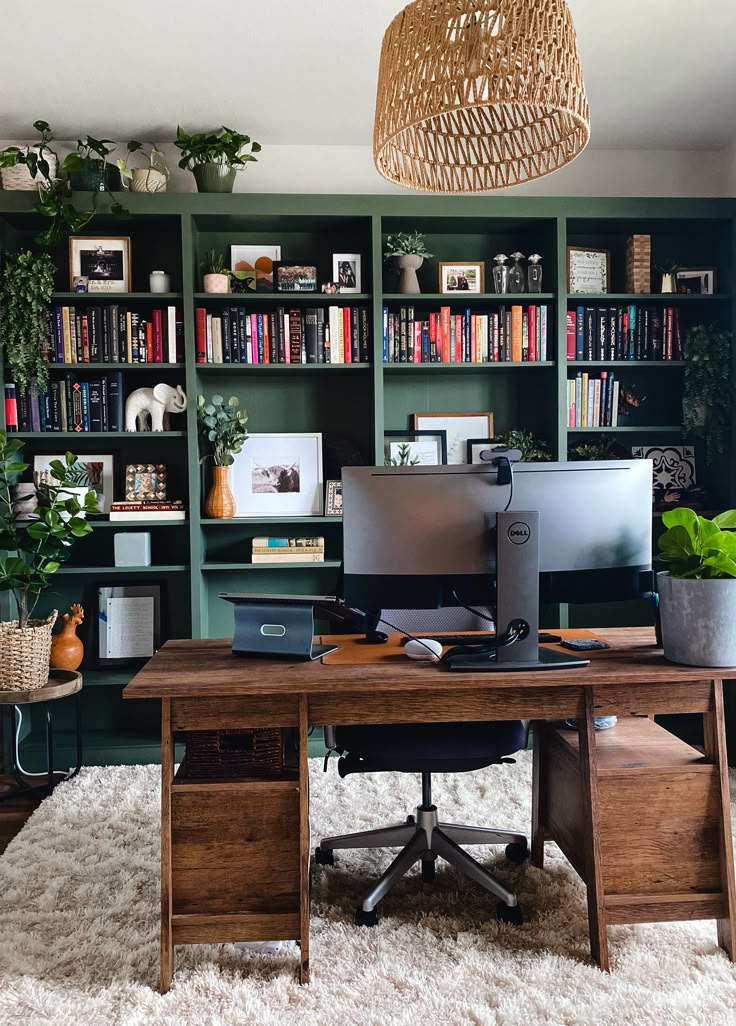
x,y
25,302
707,391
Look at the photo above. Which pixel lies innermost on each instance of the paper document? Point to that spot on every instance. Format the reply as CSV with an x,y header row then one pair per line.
x,y
128,629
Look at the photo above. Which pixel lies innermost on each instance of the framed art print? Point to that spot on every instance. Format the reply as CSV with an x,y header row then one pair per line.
x,y
104,261
459,428
346,271
279,475
475,446
100,470
462,276
258,259
588,270
697,281
414,448
145,482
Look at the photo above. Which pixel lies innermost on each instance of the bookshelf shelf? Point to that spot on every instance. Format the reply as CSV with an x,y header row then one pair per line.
x,y
279,368
500,365
638,429
125,525
118,297
242,521
284,298
630,364
327,564
666,298
170,569
468,298
84,435
114,366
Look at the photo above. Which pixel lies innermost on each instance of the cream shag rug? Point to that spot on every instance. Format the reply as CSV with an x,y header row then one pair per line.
x,y
79,903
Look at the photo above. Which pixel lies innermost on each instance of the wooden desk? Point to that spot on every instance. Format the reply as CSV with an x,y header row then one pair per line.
x,y
207,896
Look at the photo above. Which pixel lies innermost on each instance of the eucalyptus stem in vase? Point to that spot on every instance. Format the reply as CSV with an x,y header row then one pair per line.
x,y
222,434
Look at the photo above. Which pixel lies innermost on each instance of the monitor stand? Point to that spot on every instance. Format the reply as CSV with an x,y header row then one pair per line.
x,y
266,627
546,659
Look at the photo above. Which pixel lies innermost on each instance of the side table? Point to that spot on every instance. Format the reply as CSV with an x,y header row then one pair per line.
x,y
60,684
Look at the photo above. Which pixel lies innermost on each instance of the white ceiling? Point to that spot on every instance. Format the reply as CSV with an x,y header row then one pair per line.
x,y
659,73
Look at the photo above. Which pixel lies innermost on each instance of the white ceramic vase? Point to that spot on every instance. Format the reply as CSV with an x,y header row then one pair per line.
x,y
408,264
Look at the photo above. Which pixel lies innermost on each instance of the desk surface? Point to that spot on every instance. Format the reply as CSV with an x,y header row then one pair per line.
x,y
202,667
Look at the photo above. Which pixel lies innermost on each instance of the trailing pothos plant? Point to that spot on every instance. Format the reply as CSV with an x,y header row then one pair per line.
x,y
34,550
697,547
223,147
707,388
25,300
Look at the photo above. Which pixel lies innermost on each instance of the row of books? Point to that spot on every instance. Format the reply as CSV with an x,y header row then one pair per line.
x,y
67,405
314,335
129,512
592,401
288,550
624,333
114,334
511,334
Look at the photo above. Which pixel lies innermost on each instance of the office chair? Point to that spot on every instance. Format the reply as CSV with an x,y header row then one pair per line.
x,y
428,748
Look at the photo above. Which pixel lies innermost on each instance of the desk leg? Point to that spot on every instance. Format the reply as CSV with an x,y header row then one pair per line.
x,y
167,775
304,848
539,813
714,731
591,813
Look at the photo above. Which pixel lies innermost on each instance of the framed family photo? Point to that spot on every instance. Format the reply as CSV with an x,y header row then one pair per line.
x,y
333,499
104,261
346,271
462,277
459,427
414,448
279,475
98,471
697,281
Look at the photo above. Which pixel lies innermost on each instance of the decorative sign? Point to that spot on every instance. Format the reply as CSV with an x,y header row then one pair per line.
x,y
587,270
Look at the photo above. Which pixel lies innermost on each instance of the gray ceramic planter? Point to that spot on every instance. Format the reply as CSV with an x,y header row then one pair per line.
x,y
214,177
698,620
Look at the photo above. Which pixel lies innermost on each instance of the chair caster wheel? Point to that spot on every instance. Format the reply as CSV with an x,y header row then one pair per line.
x,y
428,870
517,853
410,821
363,918
509,914
324,856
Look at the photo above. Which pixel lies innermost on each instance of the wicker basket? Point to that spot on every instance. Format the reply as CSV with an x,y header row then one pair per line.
x,y
25,654
233,753
19,177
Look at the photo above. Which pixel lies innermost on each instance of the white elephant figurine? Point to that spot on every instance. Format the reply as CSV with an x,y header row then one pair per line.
x,y
148,409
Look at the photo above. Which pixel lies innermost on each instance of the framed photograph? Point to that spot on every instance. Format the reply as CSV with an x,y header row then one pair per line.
x,y
463,277
414,448
279,475
588,270
475,446
104,261
288,277
333,499
129,623
101,470
257,258
145,482
346,271
459,427
697,281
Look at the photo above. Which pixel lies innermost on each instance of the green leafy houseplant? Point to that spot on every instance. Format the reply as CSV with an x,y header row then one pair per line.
x,y
153,162
406,244
533,450
696,547
34,550
707,388
215,157
222,428
35,158
25,300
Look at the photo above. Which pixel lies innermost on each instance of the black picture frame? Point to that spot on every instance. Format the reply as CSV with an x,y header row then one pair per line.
x,y
414,436
471,442
285,272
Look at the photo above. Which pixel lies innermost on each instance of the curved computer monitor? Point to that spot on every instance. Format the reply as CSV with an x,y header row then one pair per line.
x,y
423,537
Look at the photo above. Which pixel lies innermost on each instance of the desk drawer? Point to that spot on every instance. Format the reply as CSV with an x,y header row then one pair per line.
x,y
219,713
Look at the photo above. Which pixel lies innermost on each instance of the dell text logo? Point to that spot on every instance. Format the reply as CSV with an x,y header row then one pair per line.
x,y
519,533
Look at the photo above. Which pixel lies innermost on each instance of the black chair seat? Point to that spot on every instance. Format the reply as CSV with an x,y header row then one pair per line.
x,y
427,747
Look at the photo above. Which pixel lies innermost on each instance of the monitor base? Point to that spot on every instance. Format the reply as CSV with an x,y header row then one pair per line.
x,y
547,659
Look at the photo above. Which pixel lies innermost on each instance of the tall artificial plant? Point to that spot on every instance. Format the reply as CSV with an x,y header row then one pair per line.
x,y
222,428
707,389
25,301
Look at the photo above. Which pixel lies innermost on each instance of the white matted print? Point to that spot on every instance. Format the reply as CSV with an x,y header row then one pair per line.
x,y
104,261
256,258
100,473
346,271
279,475
459,427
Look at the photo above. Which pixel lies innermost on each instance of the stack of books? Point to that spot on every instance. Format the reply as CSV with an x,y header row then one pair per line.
x,y
288,550
167,509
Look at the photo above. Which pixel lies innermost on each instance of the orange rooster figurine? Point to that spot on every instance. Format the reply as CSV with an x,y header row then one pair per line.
x,y
67,650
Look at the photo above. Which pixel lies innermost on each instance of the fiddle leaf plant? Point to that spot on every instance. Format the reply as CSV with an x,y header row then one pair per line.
x,y
696,547
707,387
222,428
34,550
25,301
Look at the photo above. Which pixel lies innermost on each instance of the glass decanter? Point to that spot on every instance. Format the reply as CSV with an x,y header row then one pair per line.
x,y
517,278
500,273
534,273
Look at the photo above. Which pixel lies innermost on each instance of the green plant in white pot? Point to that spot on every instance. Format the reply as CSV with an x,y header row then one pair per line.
x,y
697,595
152,177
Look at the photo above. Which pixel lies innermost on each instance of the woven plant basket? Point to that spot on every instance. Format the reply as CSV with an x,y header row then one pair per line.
x,y
19,177
25,654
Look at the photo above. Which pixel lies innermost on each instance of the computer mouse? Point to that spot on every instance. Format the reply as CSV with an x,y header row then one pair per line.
x,y
423,648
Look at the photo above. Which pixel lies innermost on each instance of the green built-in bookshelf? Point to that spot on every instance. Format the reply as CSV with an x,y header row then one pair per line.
x,y
351,404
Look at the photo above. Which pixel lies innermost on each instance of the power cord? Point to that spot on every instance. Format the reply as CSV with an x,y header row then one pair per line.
x,y
516,630
19,724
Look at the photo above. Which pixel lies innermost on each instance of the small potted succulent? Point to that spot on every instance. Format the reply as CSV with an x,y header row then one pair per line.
x,y
215,158
88,168
215,275
153,177
222,431
407,251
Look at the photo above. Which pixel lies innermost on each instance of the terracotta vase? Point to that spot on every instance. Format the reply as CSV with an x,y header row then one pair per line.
x,y
67,650
220,503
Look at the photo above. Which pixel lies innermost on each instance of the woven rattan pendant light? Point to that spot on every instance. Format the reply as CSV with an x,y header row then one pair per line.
x,y
478,94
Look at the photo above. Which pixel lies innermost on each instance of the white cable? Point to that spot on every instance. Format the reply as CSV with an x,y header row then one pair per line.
x,y
25,773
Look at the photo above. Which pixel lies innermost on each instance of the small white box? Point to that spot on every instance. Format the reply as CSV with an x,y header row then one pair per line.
x,y
132,548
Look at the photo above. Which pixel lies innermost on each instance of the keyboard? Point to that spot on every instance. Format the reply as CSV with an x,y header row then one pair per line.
x,y
475,639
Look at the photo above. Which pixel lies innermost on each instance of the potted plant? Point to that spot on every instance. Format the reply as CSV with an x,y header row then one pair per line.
x,y
20,165
33,552
532,449
88,169
707,388
215,275
697,595
668,270
25,302
214,158
153,177
222,430
408,251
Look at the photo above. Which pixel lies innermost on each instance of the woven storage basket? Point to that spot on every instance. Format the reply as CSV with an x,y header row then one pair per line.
x,y
24,654
233,753
19,177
